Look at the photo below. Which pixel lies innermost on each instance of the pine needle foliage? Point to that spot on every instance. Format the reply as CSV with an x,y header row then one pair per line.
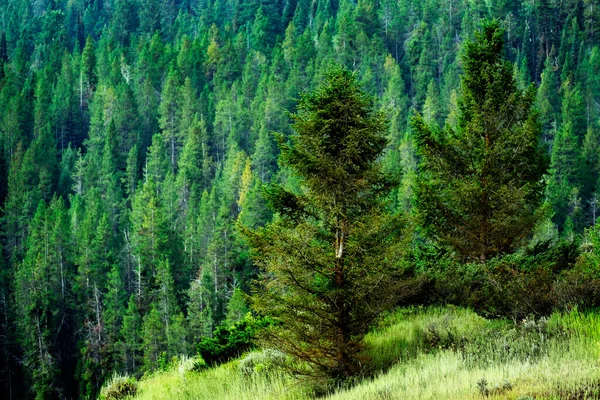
x,y
330,260
480,183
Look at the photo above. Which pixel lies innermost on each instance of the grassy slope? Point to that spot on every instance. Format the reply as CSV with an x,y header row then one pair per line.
x,y
438,353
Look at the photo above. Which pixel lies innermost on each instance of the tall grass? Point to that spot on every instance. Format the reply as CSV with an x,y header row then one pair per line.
x,y
433,353
558,358
224,382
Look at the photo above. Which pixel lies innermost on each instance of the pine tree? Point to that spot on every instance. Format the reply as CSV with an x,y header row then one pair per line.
x,y
113,315
548,101
150,228
43,299
565,181
236,307
131,333
168,118
154,339
328,261
149,16
88,78
481,182
200,306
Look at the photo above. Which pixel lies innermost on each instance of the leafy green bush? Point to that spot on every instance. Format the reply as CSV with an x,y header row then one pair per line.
x,y
199,365
534,281
119,387
231,342
264,362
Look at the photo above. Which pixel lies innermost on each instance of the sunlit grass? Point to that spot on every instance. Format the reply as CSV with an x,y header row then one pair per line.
x,y
445,375
433,353
224,382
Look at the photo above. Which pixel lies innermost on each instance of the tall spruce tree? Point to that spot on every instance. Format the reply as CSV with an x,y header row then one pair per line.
x,y
330,258
481,182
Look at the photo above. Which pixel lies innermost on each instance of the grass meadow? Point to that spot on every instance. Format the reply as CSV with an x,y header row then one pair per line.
x,y
423,353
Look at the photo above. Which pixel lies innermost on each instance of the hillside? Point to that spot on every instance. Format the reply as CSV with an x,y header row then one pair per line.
x,y
435,353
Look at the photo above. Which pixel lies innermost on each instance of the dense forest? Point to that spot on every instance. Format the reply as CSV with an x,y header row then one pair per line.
x,y
137,138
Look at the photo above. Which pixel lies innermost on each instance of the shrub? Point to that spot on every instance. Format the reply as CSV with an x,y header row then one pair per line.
x,y
534,281
186,364
578,287
265,362
199,365
119,387
230,342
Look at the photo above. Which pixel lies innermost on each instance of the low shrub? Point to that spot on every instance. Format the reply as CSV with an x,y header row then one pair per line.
x,y
535,281
265,362
230,342
119,387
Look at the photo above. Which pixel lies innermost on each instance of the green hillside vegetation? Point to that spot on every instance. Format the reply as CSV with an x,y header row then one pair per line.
x,y
301,181
425,353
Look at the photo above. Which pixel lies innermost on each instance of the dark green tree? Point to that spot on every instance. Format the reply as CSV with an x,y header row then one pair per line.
x,y
565,181
329,259
131,333
481,183
88,74
44,301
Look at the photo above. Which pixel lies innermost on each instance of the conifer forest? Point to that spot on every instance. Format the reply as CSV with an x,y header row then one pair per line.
x,y
184,183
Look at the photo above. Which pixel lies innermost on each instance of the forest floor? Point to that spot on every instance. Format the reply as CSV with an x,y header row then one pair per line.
x,y
425,353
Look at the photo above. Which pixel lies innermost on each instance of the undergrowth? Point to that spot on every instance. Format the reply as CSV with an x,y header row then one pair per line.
x,y
424,353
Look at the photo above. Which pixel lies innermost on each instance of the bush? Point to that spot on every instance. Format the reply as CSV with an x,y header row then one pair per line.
x,y
511,291
534,281
186,364
230,342
578,288
199,365
265,362
119,387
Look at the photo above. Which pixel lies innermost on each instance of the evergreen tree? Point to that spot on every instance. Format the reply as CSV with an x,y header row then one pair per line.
x,y
565,181
131,333
548,101
328,262
168,118
44,302
236,307
88,78
481,182
200,306
113,316
154,339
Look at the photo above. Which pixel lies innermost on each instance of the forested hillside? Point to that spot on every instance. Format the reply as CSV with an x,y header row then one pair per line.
x,y
136,137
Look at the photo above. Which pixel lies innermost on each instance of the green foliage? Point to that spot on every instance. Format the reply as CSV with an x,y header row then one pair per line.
x,y
119,388
154,340
153,123
330,259
232,341
531,282
481,182
236,308
265,362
